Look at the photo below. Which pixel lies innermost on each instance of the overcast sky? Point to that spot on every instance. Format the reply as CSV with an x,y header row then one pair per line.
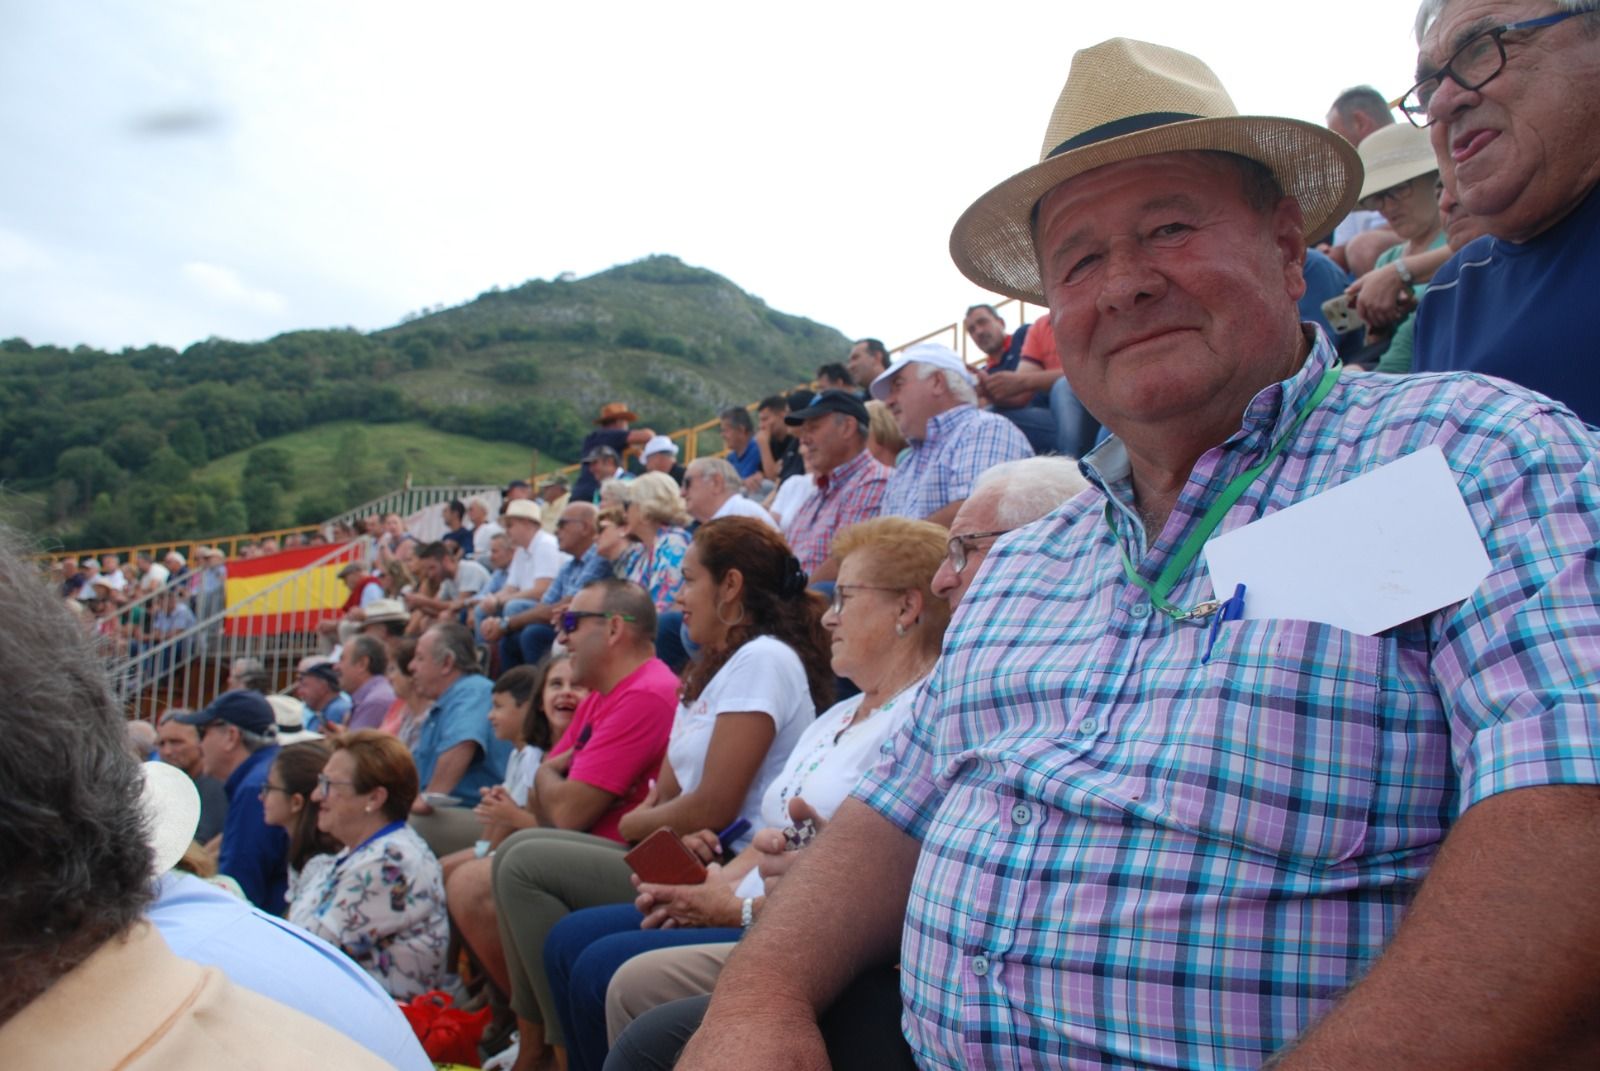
x,y
175,169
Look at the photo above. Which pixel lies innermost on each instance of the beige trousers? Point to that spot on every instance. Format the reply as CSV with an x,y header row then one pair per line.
x,y
652,979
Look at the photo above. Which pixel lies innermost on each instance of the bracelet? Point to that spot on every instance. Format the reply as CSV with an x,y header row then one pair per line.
x,y
1404,272
747,912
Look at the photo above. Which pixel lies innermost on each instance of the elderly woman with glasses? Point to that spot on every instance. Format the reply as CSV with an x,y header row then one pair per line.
x,y
382,898
885,626
656,518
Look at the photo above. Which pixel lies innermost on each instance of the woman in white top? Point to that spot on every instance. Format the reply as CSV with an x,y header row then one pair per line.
x,y
762,672
886,627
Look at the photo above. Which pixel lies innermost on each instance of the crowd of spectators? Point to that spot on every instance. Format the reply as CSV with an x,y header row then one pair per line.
x,y
913,730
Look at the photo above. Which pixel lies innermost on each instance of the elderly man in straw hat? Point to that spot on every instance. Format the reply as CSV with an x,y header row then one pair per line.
x,y
1149,817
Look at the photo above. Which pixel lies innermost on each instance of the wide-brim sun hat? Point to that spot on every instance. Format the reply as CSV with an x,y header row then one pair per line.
x,y
1126,99
1394,154
171,805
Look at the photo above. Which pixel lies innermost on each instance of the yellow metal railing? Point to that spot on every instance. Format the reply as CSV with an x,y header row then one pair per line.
x,y
688,440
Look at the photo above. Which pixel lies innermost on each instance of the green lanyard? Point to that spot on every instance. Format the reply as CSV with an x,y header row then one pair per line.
x,y
1190,547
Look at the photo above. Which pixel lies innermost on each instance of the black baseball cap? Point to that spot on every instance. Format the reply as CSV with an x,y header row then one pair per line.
x,y
325,672
601,452
242,707
829,401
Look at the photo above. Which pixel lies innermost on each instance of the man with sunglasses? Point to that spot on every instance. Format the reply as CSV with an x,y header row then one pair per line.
x,y
238,741
1510,93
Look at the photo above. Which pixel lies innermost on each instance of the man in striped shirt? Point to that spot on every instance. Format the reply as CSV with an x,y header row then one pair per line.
x,y
1111,837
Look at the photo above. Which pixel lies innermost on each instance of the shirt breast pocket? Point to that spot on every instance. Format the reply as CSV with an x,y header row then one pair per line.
x,y
1278,750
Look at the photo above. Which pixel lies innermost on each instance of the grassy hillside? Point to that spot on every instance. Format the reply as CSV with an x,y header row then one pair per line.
x,y
429,456
102,448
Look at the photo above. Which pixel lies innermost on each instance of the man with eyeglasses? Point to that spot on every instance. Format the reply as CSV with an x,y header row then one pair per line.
x,y
525,633
238,741
1510,93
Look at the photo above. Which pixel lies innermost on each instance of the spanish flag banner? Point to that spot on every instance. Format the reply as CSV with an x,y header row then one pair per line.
x,y
287,592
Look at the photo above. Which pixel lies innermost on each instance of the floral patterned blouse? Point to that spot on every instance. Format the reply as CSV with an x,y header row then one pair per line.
x,y
661,571
382,902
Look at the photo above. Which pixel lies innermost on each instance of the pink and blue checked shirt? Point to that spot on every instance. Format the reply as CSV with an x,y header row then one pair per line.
x,y
961,445
1130,858
848,495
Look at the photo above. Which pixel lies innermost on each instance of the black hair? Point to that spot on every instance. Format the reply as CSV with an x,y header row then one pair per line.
x,y
738,416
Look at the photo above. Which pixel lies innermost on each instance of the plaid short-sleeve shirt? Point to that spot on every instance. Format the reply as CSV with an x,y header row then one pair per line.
x,y
848,495
1131,858
962,444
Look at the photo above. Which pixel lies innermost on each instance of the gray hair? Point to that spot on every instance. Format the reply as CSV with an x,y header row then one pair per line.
x,y
1432,9
254,742
252,674
954,382
370,650
1364,100
454,640
1027,489
719,467
72,829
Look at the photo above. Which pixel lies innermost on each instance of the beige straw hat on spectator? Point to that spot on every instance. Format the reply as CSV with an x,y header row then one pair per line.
x,y
171,806
1397,153
1125,99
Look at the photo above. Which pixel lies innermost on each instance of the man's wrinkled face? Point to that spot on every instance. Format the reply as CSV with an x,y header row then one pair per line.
x,y
986,332
829,441
500,553
660,461
914,399
734,437
1522,146
575,530
1168,291
314,692
702,495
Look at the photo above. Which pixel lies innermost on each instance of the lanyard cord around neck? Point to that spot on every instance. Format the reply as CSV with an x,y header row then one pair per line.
x,y
1189,549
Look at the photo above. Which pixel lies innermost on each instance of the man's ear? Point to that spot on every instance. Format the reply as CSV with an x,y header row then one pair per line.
x,y
1288,236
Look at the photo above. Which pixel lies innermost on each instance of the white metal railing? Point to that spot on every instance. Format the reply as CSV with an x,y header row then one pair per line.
x,y
409,501
190,668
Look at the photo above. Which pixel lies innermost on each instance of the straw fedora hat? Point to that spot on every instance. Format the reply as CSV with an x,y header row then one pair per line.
x,y
1126,99
1397,153
616,411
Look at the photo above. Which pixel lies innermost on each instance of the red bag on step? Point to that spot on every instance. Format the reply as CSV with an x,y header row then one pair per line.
x,y
448,1034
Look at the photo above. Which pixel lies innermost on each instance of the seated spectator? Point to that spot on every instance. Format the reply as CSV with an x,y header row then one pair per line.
x,y
535,561
711,490
533,705
248,673
211,597
868,358
404,717
268,545
172,620
780,451
1004,499
1356,115
455,526
113,569
238,741
385,620
457,582
613,543
361,668
88,982
141,740
516,491
1401,176
456,752
1012,384
738,435
613,433
884,439
613,494
392,544
661,455
656,518
1460,227
834,377
290,716
317,685
365,589
886,627
382,900
178,744
525,631
599,770
796,489
1077,430
288,803
605,464
762,671
483,529
177,566
929,391
849,480
553,498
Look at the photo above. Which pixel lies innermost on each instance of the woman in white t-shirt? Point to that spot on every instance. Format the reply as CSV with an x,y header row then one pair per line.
x,y
886,626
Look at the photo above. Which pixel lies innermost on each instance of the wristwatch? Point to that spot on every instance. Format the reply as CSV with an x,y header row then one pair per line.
x,y
1404,272
747,912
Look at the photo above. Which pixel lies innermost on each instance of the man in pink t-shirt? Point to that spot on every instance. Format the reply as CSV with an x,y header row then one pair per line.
x,y
602,765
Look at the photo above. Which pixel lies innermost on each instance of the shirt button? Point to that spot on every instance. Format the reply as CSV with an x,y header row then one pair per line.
x,y
1088,726
1140,610
980,965
1020,814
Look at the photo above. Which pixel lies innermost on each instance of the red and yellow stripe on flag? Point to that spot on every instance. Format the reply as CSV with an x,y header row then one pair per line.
x,y
311,595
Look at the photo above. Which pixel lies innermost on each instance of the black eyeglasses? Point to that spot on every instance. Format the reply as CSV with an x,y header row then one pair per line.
x,y
269,787
570,619
962,545
1475,64
1375,202
840,590
324,783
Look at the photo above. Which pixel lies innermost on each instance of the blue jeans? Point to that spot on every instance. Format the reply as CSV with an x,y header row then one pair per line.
x,y
673,645
581,954
528,644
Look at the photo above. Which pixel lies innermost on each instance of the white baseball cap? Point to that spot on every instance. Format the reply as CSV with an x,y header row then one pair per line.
x,y
660,445
922,353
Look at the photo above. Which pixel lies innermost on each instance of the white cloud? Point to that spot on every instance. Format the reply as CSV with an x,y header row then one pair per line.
x,y
17,253
224,285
